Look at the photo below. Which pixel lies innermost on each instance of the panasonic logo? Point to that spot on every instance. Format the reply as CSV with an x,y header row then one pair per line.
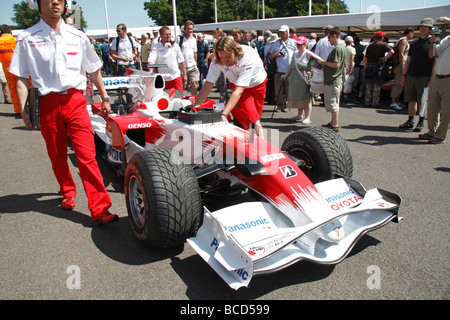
x,y
247,225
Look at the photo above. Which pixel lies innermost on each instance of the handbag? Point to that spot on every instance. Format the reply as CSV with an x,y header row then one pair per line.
x,y
271,65
348,84
317,81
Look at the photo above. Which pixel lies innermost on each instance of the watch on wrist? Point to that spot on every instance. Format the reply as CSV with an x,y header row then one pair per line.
x,y
105,99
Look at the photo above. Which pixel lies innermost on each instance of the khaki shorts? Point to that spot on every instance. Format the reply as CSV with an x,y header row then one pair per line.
x,y
332,97
193,75
414,88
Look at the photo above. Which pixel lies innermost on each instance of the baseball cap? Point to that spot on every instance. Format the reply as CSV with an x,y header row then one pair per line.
x,y
283,28
349,39
302,40
380,34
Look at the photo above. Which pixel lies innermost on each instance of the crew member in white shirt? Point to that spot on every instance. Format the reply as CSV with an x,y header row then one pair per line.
x,y
169,53
189,48
244,69
56,56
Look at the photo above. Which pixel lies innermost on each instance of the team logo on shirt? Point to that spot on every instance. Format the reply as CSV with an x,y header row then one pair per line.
x,y
37,44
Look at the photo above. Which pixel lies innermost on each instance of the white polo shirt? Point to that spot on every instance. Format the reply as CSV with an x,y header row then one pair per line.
x,y
170,55
189,48
54,58
247,72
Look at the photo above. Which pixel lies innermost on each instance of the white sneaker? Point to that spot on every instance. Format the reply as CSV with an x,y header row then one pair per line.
x,y
395,106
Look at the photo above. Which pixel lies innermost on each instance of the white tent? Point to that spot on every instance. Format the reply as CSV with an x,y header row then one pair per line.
x,y
364,24
136,32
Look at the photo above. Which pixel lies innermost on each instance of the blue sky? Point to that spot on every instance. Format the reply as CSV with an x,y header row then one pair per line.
x,y
131,12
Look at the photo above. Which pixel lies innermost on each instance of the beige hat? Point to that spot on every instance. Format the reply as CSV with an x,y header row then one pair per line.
x,y
273,38
427,22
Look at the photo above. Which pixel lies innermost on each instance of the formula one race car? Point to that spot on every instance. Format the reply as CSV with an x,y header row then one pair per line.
x,y
174,158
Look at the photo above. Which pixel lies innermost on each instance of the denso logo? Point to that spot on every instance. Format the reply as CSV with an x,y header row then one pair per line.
x,y
139,125
272,157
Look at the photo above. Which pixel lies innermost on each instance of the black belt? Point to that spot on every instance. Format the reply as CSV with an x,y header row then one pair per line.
x,y
443,76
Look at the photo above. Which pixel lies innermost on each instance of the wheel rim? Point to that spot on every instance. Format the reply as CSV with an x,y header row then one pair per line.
x,y
136,201
307,163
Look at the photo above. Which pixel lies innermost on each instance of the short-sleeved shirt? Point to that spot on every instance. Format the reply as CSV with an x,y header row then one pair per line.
x,y
442,66
334,76
247,72
377,50
54,58
169,54
125,48
288,48
420,63
323,48
189,48
350,51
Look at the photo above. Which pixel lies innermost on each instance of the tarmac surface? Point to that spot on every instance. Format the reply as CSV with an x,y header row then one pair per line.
x,y
43,247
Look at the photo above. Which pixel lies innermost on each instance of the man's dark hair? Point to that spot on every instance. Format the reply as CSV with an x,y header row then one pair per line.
x,y
408,31
5,29
335,31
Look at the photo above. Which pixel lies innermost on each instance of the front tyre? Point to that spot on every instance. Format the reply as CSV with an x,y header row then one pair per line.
x,y
322,152
163,198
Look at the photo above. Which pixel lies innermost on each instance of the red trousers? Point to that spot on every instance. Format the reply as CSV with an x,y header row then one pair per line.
x,y
67,114
250,106
176,83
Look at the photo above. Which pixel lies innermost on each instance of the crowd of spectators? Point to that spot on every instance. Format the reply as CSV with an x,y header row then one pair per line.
x,y
402,66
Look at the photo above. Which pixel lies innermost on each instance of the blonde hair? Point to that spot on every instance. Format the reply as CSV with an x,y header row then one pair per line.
x,y
218,31
228,45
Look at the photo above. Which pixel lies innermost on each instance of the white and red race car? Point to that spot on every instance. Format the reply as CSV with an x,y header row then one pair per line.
x,y
174,159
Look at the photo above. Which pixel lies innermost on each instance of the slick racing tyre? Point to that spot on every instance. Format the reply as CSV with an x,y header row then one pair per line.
x,y
163,198
322,152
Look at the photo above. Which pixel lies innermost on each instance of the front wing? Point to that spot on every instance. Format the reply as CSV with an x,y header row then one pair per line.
x,y
254,238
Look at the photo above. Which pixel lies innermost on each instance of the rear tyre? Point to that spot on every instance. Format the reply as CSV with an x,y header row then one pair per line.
x,y
322,152
163,198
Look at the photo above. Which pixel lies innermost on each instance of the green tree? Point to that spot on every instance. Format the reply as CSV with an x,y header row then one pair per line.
x,y
202,11
24,17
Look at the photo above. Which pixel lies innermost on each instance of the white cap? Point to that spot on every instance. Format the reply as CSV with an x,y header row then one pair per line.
x,y
349,39
283,28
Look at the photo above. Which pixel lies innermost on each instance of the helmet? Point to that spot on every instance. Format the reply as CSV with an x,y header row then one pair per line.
x,y
35,5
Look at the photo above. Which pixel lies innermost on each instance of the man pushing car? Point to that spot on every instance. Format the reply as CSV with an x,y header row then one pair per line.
x,y
244,69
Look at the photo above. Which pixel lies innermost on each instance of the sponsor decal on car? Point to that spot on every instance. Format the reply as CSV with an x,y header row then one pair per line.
x,y
288,171
247,225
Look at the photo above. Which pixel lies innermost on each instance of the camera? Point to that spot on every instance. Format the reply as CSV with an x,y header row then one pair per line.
x,y
435,30
282,53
